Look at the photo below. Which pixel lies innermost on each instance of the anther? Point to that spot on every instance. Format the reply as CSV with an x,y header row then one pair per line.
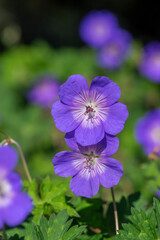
x,y
90,112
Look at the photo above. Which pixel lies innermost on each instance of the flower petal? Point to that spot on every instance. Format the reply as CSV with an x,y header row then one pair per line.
x,y
15,181
67,164
99,81
71,141
76,85
18,210
84,184
112,144
104,94
8,158
106,147
89,133
116,116
110,172
1,219
64,118
75,146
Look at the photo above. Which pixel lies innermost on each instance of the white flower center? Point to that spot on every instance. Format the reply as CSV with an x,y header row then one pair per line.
x,y
100,29
6,193
155,134
112,49
89,110
156,59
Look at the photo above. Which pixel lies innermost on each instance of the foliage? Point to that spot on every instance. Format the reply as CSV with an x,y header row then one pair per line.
x,y
142,226
152,177
49,197
58,227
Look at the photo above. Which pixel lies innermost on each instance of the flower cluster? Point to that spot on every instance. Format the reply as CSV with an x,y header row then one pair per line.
x,y
100,30
14,204
148,132
150,62
89,116
44,92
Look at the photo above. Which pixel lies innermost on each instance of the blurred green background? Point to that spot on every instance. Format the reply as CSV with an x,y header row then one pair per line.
x,y
33,127
41,37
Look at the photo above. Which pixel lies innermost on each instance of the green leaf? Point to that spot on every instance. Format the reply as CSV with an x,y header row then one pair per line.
x,y
33,190
44,226
49,196
143,224
54,229
49,190
56,232
19,232
37,212
59,203
16,237
156,207
31,233
51,220
73,232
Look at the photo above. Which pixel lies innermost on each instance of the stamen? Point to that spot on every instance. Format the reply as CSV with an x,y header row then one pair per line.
x,y
90,162
90,112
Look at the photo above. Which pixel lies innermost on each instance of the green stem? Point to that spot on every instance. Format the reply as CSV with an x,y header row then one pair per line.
x,y
23,160
115,212
11,141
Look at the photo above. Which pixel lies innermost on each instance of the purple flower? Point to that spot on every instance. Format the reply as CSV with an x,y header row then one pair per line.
x,y
97,27
148,131
158,193
89,166
91,112
14,205
150,62
115,52
45,92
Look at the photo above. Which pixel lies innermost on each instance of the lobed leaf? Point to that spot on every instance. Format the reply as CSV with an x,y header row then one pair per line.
x,y
143,225
56,228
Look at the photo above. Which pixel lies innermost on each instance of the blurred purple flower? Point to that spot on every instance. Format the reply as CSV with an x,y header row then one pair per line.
x,y
89,166
14,204
148,131
97,27
115,52
45,92
89,111
150,62
158,193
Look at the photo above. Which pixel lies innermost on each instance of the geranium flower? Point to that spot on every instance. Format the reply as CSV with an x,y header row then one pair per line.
x,y
97,27
150,62
89,166
157,194
91,112
44,92
147,132
115,52
14,204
